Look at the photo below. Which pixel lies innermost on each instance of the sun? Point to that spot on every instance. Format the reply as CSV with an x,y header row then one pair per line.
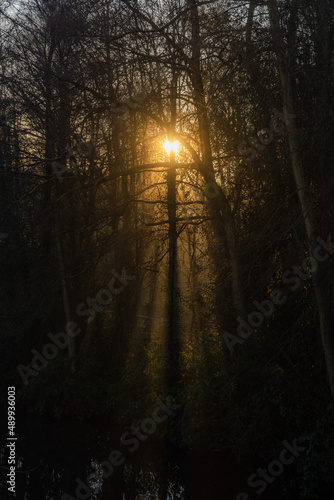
x,y
171,146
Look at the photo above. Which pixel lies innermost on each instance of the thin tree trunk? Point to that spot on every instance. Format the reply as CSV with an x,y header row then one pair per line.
x,y
322,295
66,296
173,341
249,27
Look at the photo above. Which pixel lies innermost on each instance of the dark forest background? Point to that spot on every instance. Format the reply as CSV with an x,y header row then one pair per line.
x,y
207,274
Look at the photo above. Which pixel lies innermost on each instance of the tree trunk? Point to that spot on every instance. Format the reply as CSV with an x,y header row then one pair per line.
x,y
65,291
173,341
322,295
222,217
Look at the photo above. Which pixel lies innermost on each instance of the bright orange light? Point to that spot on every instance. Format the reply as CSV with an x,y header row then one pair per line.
x,y
171,146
